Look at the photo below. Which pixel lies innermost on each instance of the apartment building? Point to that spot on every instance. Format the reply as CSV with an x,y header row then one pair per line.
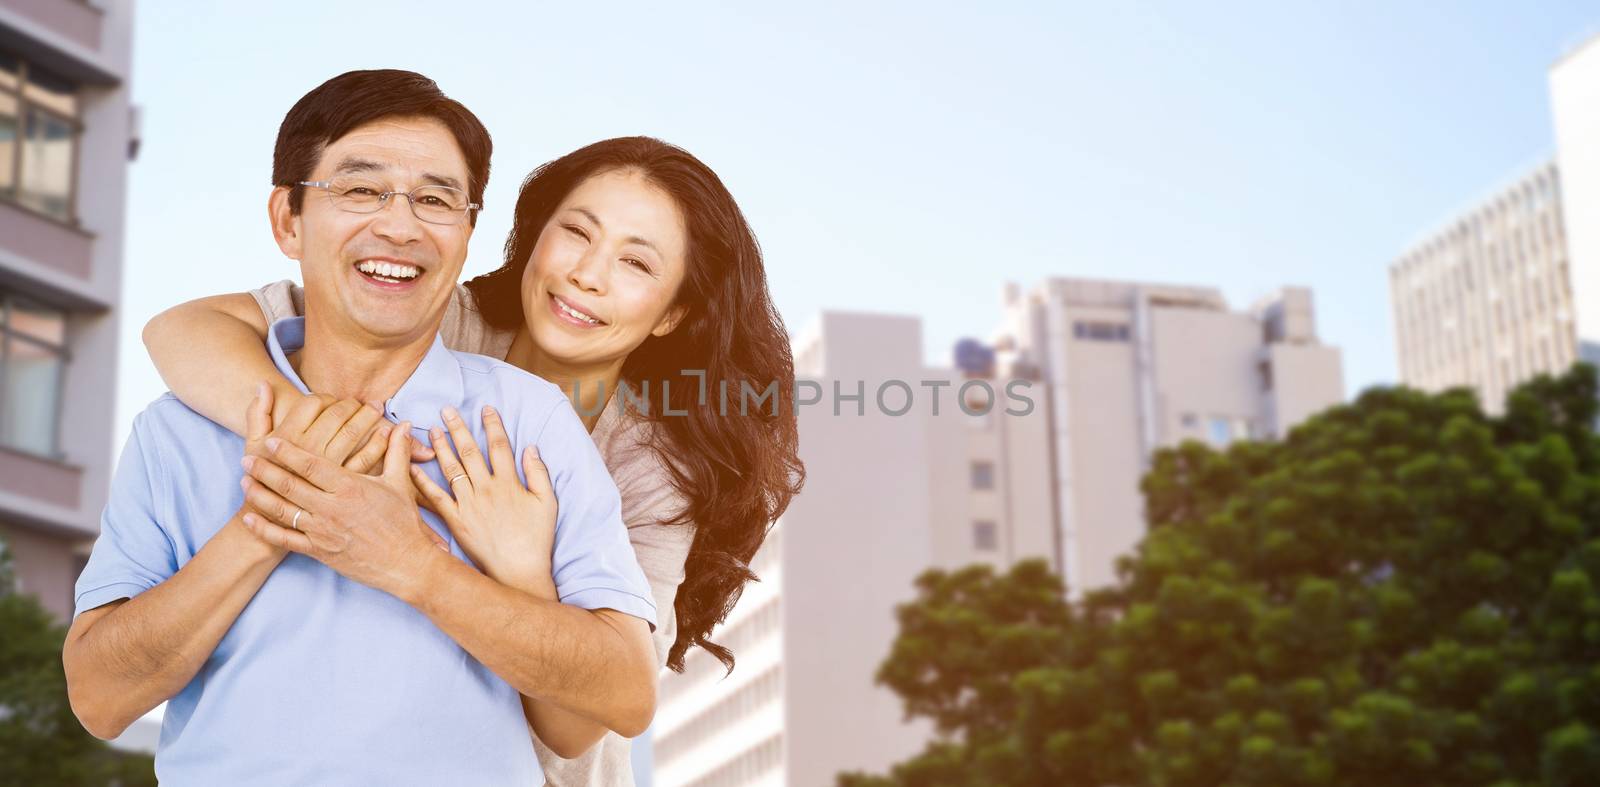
x,y
1485,301
67,133
1130,368
892,489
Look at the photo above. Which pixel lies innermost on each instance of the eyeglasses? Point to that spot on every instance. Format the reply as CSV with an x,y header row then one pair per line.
x,y
433,204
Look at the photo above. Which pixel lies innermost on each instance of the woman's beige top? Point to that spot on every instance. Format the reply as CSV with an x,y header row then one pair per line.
x,y
648,497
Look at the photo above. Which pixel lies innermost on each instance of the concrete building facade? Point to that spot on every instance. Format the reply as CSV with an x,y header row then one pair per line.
x,y
1131,368
892,489
1485,301
1033,452
1575,114
67,133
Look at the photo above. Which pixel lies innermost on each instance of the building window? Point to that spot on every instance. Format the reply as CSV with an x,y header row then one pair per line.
x,y
1100,331
39,128
982,475
985,536
33,358
1219,430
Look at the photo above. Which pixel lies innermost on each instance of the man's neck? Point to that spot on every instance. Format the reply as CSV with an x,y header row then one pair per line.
x,y
338,364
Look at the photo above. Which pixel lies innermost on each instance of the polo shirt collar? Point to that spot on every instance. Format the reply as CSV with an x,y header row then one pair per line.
x,y
435,382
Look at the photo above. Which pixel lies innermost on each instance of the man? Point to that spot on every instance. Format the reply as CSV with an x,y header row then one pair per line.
x,y
365,655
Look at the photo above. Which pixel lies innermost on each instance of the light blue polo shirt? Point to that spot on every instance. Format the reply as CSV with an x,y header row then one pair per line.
x,y
322,680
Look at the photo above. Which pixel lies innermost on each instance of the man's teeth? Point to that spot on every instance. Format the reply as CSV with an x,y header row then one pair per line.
x,y
568,310
389,270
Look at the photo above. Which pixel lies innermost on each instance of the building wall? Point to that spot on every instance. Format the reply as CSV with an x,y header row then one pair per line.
x,y
50,501
1132,368
1486,302
886,498
1575,110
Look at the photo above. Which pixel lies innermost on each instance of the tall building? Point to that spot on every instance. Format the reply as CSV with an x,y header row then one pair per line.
x,y
67,132
1031,448
1575,110
1130,368
1485,301
891,489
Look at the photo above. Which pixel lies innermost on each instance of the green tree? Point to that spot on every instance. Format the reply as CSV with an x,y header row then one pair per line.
x,y
41,742
1403,592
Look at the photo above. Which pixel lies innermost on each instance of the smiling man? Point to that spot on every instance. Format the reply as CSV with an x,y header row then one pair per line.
x,y
370,656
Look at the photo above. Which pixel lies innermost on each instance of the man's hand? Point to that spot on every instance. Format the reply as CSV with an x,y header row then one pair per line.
x,y
366,528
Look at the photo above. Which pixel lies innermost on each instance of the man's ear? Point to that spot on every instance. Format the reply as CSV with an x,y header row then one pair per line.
x,y
669,321
285,225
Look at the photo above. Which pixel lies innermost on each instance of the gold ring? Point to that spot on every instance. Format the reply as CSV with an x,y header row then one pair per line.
x,y
295,523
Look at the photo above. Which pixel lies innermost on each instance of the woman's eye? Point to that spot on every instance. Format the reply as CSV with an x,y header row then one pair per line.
x,y
576,231
637,264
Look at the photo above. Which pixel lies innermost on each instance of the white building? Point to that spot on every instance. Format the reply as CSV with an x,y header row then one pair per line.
x,y
887,496
1034,452
1131,368
1485,301
1575,107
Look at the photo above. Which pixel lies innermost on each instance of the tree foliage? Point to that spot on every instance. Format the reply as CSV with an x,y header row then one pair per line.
x,y
1403,592
41,741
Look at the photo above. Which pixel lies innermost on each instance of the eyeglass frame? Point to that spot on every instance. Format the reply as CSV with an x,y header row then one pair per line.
x,y
383,201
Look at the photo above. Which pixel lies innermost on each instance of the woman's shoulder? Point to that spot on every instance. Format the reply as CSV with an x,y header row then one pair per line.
x,y
630,444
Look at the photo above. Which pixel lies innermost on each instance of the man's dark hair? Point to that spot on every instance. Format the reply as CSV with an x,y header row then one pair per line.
x,y
355,98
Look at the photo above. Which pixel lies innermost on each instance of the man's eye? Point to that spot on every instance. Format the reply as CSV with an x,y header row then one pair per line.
x,y
435,202
361,191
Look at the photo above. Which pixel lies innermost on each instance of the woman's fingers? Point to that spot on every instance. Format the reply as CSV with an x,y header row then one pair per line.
x,y
537,474
326,427
421,451
302,412
449,466
466,447
500,456
369,460
354,433
433,498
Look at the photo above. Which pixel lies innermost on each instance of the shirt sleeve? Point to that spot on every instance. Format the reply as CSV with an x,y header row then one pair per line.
x,y
280,299
593,564
133,553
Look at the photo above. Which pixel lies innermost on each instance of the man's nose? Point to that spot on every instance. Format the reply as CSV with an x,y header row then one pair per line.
x,y
395,221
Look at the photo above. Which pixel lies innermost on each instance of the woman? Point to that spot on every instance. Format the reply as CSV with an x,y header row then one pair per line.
x,y
628,262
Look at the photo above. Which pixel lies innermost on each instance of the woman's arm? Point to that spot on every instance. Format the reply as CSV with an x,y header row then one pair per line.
x,y
211,352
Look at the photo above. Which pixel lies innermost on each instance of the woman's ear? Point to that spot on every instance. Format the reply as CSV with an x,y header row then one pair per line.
x,y
285,225
669,321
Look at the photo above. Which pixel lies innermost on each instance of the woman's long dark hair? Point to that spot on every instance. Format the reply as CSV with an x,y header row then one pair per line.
x,y
736,471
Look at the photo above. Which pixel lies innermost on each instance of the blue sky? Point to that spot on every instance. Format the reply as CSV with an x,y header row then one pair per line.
x,y
902,157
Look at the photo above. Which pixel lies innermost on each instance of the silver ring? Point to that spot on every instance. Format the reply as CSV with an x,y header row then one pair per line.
x,y
455,478
295,523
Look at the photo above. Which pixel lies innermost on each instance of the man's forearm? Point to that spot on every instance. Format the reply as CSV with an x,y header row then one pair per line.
x,y
132,658
598,665
564,732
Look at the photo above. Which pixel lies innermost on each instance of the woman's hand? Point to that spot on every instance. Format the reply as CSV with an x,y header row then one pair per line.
x,y
507,528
